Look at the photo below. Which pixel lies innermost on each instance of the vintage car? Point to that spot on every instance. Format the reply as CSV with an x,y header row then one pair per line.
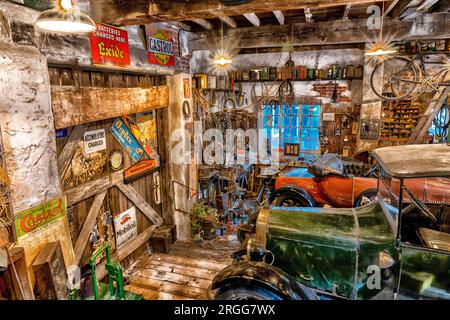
x,y
328,182
389,248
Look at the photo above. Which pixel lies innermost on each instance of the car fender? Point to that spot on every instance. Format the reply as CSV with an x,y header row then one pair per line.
x,y
263,274
286,189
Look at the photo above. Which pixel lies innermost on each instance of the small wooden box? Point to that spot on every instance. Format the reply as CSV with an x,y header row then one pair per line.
x,y
50,272
161,241
173,230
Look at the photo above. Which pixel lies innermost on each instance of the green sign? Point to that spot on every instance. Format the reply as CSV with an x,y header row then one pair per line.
x,y
35,218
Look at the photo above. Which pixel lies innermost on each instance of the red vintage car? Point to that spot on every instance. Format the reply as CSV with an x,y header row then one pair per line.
x,y
320,185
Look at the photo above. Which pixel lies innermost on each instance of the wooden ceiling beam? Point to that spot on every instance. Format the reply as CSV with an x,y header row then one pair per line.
x,y
391,6
229,21
280,16
399,8
139,12
253,18
434,26
202,22
181,25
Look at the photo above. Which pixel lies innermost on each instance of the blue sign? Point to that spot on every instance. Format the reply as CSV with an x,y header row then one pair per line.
x,y
61,133
121,132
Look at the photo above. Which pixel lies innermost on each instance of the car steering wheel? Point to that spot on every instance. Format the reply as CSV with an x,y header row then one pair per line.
x,y
371,171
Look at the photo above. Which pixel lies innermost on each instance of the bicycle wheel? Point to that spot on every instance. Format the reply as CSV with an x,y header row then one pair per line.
x,y
399,74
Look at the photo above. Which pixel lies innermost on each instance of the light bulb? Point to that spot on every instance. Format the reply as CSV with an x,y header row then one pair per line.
x,y
66,4
222,61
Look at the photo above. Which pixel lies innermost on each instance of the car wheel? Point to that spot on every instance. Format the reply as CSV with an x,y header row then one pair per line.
x,y
292,199
236,291
366,197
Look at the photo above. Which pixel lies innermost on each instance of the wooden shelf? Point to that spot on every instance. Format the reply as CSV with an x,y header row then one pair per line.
x,y
316,80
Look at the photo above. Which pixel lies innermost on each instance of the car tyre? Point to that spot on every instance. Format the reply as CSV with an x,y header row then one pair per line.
x,y
295,199
364,196
238,291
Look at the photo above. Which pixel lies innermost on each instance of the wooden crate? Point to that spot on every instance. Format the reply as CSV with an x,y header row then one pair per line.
x,y
50,272
161,241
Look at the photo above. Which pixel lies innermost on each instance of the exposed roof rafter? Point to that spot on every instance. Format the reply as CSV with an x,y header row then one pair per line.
x,y
202,22
229,21
253,18
280,16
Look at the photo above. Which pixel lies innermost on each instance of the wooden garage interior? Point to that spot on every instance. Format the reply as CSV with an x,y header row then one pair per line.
x,y
212,149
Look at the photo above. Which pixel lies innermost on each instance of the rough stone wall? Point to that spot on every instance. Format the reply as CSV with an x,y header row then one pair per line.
x,y
27,126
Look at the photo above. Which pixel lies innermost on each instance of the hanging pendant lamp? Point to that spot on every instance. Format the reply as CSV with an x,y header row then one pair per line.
x,y
64,19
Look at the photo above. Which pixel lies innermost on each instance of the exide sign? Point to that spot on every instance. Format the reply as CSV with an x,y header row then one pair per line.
x,y
109,46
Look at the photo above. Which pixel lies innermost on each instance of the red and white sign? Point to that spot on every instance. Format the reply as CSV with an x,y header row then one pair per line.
x,y
109,46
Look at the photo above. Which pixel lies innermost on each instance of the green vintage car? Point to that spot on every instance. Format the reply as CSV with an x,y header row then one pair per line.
x,y
396,247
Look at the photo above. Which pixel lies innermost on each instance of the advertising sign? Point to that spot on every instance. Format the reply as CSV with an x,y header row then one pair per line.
x,y
109,46
139,170
160,47
39,217
328,116
94,141
126,226
121,132
61,133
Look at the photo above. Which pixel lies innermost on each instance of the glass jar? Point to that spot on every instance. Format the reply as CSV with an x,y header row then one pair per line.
x,y
350,69
359,72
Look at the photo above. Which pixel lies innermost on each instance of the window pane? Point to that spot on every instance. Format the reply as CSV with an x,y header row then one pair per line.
x,y
295,121
305,110
277,110
286,121
314,133
315,122
314,144
294,109
276,121
306,121
316,110
306,133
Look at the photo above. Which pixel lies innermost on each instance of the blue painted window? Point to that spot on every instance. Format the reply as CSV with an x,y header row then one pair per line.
x,y
292,124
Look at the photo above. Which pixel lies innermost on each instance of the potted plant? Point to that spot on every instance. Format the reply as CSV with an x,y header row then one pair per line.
x,y
204,222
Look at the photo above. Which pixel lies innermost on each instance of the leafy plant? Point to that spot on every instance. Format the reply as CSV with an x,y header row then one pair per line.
x,y
200,216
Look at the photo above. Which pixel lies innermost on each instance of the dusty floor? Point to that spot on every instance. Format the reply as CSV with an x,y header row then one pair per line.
x,y
184,273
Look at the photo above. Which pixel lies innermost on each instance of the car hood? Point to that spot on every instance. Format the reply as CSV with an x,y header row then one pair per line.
x,y
332,226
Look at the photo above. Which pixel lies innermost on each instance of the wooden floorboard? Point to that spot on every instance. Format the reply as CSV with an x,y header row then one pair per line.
x,y
183,273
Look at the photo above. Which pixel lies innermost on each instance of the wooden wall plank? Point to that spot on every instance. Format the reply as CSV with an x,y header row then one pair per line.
x,y
126,250
83,237
73,106
87,190
67,152
140,203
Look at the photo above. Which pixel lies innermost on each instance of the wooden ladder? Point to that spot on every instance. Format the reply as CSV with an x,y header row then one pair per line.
x,y
425,120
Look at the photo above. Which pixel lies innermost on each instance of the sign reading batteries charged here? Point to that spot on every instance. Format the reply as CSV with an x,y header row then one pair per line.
x,y
94,141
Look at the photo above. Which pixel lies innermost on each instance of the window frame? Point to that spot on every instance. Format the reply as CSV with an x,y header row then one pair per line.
x,y
288,111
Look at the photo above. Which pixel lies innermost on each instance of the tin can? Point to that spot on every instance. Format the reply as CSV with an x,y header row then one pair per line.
x,y
359,72
212,82
311,74
335,71
272,73
245,75
350,70
264,73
